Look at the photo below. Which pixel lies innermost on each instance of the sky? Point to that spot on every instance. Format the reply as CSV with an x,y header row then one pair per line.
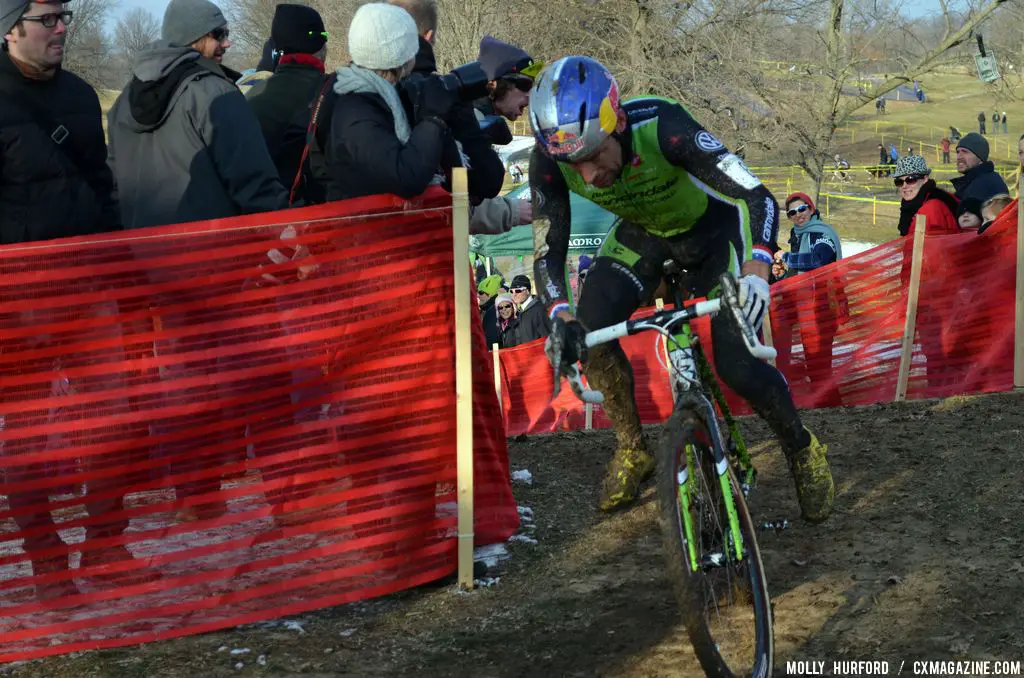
x,y
156,7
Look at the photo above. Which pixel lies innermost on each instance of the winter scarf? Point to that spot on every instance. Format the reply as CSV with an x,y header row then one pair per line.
x,y
909,208
356,79
813,225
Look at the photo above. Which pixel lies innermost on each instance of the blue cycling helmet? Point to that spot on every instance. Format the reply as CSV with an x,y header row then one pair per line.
x,y
574,106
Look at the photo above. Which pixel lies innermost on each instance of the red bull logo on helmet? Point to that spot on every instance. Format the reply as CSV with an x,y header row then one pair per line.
x,y
609,111
562,142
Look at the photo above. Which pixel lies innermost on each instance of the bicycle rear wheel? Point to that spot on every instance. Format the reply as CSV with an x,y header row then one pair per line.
x,y
724,601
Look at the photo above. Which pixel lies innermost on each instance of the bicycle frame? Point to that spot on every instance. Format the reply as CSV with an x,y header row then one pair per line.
x,y
692,379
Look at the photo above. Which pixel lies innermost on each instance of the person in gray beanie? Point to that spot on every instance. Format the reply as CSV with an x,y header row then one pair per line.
x,y
979,180
184,120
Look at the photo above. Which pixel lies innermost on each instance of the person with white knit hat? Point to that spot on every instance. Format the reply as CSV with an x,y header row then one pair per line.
x,y
374,147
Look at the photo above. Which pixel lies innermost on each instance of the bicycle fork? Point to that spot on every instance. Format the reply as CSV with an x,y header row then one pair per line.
x,y
686,378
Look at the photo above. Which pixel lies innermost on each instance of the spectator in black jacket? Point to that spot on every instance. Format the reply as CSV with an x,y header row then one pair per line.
x,y
374,146
54,183
486,294
533,319
284,99
979,178
508,320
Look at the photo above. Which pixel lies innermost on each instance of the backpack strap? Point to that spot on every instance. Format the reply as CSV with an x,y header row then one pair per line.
x,y
52,128
311,129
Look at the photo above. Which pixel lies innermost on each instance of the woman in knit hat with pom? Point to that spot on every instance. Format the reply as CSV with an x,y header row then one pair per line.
x,y
374,147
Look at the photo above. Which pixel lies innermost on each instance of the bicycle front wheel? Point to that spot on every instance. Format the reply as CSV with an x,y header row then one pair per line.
x,y
713,559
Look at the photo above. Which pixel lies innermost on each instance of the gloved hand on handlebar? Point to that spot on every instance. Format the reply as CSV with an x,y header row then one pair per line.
x,y
755,298
565,345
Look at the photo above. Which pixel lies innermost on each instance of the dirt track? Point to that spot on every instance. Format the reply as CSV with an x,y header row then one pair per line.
x,y
923,559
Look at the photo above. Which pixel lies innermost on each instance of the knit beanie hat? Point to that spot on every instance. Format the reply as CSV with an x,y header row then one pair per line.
x,y
911,165
800,196
499,59
382,37
972,205
504,299
521,281
976,144
10,12
298,29
186,21
585,262
489,285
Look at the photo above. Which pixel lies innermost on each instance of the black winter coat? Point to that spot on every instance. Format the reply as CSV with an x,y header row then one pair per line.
x,y
980,182
282,100
43,193
487,173
489,317
366,158
533,322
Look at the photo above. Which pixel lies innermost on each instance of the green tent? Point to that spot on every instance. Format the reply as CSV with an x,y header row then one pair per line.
x,y
590,225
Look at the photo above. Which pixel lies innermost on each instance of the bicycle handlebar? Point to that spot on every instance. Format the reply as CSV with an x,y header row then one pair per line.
x,y
663,320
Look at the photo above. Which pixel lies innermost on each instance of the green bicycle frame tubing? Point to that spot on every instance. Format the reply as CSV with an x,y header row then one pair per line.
x,y
730,509
684,502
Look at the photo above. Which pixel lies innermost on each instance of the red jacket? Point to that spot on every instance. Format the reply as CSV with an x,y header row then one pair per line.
x,y
939,218
945,145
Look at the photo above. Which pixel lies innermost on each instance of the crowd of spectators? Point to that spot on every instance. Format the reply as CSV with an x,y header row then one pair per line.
x,y
184,143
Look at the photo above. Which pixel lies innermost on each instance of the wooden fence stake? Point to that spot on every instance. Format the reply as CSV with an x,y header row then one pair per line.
x,y
497,377
1018,329
907,353
463,375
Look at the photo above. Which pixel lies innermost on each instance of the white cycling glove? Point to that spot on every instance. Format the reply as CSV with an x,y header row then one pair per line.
x,y
755,298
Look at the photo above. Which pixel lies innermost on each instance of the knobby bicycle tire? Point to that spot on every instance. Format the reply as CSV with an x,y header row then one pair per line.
x,y
686,426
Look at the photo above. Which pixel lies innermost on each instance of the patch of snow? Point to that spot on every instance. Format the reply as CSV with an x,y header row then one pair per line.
x,y
222,648
239,666
240,650
486,582
523,538
293,625
262,660
490,555
347,632
522,476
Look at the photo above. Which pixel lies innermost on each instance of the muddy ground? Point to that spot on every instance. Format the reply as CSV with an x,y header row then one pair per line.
x,y
923,558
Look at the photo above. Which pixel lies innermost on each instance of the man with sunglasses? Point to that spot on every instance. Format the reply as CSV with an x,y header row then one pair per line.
x,y
681,195
510,73
184,144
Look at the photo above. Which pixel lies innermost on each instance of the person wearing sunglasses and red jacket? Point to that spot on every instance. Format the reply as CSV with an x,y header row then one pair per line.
x,y
920,196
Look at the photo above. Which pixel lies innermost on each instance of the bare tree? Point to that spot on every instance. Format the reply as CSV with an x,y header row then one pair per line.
x,y
88,50
134,31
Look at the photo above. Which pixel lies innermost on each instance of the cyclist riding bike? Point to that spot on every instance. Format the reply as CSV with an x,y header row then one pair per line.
x,y
680,195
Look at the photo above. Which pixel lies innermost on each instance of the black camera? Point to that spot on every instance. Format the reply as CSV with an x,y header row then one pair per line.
x,y
469,80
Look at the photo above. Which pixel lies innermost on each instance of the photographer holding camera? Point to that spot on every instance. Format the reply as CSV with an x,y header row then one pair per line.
x,y
390,139
468,146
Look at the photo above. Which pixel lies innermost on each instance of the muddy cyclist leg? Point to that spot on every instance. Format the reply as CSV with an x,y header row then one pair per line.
x,y
710,252
626,271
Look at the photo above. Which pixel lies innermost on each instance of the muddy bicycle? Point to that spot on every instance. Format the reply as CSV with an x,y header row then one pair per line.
x,y
703,479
